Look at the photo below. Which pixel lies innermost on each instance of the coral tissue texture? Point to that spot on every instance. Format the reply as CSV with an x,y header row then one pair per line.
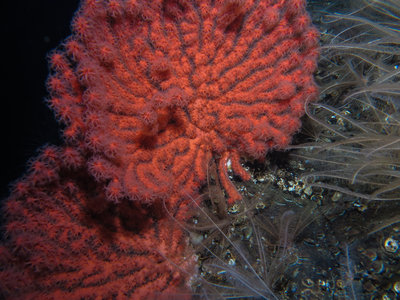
x,y
154,89
64,240
149,92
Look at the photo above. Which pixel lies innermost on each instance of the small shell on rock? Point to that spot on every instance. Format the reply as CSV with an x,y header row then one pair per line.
x,y
391,245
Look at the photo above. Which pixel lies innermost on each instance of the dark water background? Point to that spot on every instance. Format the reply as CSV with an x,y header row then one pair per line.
x,y
29,30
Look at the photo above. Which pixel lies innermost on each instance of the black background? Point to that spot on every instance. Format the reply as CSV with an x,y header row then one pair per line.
x,y
29,31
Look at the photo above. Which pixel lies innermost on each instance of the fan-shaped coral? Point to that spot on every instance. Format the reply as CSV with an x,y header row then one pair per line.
x,y
149,92
65,241
155,89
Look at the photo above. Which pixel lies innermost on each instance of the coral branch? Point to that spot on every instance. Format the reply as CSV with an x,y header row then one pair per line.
x,y
71,243
149,93
154,86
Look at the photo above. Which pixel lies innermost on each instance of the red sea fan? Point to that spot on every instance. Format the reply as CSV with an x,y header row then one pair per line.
x,y
150,92
154,89
66,241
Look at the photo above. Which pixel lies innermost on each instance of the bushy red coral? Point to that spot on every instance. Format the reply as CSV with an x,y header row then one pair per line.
x,y
66,241
154,89
150,92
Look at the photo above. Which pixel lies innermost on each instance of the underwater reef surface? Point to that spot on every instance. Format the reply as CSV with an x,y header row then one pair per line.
x,y
321,221
318,221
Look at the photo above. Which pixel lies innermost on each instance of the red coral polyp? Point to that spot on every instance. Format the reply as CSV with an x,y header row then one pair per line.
x,y
176,83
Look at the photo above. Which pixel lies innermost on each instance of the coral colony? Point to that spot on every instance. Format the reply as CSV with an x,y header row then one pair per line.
x,y
149,92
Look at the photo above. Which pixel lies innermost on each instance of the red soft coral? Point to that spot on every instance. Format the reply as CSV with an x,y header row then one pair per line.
x,y
66,241
150,92
160,87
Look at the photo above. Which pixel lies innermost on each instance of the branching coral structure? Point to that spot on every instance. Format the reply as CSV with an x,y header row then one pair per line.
x,y
149,93
153,90
66,241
